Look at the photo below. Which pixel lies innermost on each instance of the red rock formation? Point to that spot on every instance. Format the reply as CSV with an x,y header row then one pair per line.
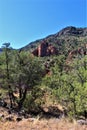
x,y
51,50
35,52
45,50
74,53
42,49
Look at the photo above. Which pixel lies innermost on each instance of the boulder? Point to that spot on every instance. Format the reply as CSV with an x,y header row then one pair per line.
x,y
82,122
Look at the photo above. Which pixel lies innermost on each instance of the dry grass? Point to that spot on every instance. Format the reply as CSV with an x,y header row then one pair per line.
x,y
43,124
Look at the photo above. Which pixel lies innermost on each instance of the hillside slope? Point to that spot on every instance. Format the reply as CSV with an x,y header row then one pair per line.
x,y
65,40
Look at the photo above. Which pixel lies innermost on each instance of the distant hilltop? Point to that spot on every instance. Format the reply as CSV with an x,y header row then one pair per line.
x,y
65,33
73,31
65,41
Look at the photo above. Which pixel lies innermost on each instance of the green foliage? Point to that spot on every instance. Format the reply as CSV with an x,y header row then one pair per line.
x,y
70,87
19,72
28,73
28,70
34,100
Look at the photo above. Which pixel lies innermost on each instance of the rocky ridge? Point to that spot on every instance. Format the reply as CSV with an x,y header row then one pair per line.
x,y
67,35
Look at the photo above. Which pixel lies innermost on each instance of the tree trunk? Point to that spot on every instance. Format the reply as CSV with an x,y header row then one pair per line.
x,y
22,99
10,96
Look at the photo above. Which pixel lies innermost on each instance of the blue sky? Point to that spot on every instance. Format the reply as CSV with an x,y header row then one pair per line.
x,y
23,21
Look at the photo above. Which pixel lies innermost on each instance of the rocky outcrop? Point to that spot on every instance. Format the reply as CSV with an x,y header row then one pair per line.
x,y
73,31
77,52
45,49
82,122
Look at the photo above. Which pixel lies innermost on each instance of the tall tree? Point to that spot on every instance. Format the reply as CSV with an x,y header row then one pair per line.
x,y
7,51
28,73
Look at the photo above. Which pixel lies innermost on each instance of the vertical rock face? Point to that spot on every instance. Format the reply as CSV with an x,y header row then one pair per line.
x,y
42,49
45,49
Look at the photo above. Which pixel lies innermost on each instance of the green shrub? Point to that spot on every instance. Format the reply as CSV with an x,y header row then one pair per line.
x,y
34,100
